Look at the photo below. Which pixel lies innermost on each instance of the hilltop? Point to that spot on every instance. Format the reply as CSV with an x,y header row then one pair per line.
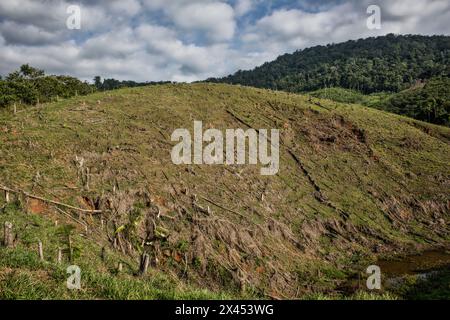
x,y
388,63
354,184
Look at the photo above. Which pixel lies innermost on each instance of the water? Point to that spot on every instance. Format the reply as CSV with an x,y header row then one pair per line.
x,y
423,265
416,264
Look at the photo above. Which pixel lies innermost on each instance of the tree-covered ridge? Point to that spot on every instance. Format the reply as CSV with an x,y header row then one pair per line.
x,y
389,63
429,102
29,85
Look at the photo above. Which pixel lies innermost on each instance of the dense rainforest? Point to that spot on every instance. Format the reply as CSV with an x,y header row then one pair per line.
x,y
387,64
427,101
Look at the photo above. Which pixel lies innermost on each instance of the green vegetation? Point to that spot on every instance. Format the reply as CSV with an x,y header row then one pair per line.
x,y
428,102
24,276
390,63
112,84
29,86
350,96
354,183
435,287
368,72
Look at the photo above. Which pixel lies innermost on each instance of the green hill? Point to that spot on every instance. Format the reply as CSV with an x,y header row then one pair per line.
x,y
350,96
427,102
389,63
355,184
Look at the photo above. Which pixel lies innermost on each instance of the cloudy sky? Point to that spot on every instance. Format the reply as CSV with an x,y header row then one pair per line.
x,y
186,40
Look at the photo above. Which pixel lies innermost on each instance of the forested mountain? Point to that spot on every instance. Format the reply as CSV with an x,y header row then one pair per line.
x,y
388,63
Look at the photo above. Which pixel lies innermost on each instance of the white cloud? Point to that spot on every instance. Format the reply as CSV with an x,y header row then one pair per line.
x,y
187,40
215,20
286,30
243,7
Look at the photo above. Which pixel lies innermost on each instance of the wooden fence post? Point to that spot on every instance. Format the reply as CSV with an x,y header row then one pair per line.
x,y
103,254
8,239
41,251
69,240
7,196
145,260
59,260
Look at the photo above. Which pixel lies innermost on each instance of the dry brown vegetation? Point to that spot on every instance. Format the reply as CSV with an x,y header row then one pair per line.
x,y
354,184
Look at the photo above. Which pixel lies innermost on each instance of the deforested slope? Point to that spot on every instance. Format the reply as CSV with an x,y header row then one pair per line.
x,y
354,184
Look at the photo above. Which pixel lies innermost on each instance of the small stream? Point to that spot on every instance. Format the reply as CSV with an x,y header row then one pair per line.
x,y
430,268
424,262
423,265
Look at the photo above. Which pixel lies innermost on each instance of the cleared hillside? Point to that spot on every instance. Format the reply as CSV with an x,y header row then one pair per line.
x,y
354,184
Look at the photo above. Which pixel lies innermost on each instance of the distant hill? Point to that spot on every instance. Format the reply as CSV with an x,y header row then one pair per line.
x,y
350,96
428,102
388,63
355,184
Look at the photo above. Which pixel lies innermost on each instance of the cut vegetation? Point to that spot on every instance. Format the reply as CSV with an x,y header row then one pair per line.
x,y
355,184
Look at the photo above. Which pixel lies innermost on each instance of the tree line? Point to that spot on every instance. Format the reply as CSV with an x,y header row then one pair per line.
x,y
426,100
389,63
429,101
31,86
112,84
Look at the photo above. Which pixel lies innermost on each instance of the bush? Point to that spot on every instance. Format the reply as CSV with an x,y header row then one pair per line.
x,y
29,85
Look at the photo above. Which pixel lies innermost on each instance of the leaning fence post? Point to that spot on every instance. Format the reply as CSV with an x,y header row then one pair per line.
x,y
8,239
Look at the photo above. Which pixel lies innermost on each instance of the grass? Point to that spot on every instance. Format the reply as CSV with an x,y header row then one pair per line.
x,y
367,182
436,286
350,96
24,276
